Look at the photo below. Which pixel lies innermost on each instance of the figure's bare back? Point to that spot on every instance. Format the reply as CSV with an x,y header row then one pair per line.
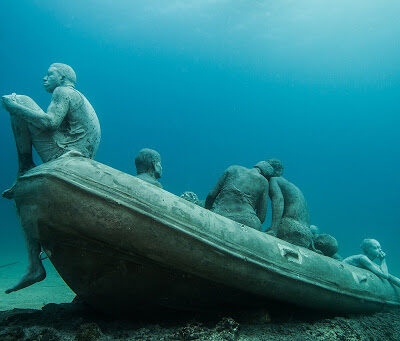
x,y
80,129
243,184
295,205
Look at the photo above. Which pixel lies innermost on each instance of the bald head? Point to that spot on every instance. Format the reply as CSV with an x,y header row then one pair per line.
x,y
148,161
277,166
265,168
371,248
65,71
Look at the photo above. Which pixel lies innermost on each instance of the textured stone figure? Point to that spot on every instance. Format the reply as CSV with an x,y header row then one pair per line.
x,y
148,166
290,220
241,194
372,251
69,127
326,243
192,197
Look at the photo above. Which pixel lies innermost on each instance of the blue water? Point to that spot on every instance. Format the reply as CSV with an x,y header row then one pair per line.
x,y
214,83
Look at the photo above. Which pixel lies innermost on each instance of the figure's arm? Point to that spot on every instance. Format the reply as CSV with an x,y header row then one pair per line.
x,y
277,202
56,111
384,267
367,264
394,280
215,191
262,204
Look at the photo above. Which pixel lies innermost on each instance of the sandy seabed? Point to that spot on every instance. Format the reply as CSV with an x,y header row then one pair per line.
x,y
44,312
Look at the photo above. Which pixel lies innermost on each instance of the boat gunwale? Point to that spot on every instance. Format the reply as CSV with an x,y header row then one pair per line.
x,y
242,253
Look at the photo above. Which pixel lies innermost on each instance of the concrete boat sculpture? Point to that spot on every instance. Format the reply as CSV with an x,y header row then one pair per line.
x,y
123,244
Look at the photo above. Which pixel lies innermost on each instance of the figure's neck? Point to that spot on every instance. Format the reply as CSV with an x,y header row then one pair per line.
x,y
150,174
68,85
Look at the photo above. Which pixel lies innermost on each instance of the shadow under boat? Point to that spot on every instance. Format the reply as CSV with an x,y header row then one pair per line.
x,y
122,244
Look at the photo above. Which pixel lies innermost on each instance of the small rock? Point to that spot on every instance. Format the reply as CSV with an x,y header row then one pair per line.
x,y
88,332
45,334
229,324
12,333
192,331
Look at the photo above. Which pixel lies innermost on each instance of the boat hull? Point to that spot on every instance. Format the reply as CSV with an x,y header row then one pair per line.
x,y
123,244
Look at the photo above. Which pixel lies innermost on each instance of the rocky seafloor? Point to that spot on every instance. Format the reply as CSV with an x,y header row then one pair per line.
x,y
75,321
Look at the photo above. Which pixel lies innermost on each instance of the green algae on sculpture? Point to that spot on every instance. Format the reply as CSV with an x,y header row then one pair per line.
x,y
69,127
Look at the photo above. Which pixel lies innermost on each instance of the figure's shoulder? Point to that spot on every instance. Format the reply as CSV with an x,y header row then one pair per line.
x,y
281,180
64,91
274,180
355,260
60,93
263,180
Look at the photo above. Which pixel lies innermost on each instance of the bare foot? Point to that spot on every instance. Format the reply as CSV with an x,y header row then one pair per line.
x,y
31,277
9,193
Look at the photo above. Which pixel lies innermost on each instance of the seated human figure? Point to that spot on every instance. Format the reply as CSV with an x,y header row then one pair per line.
x,y
372,251
69,127
290,219
241,194
148,166
192,197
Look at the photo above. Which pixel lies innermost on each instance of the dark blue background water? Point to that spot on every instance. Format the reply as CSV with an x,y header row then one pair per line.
x,y
214,83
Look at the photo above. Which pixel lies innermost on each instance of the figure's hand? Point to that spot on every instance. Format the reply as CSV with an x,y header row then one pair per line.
x,y
382,255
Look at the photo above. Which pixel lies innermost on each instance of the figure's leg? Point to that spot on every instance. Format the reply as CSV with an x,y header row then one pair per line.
x,y
295,232
23,142
35,271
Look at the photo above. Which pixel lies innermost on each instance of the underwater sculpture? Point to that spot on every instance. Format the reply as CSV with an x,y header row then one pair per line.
x,y
372,250
69,127
148,166
290,219
241,194
122,244
326,243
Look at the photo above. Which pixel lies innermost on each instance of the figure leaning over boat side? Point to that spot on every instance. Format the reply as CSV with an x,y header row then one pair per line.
x,y
290,219
69,127
148,166
325,243
372,251
241,194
